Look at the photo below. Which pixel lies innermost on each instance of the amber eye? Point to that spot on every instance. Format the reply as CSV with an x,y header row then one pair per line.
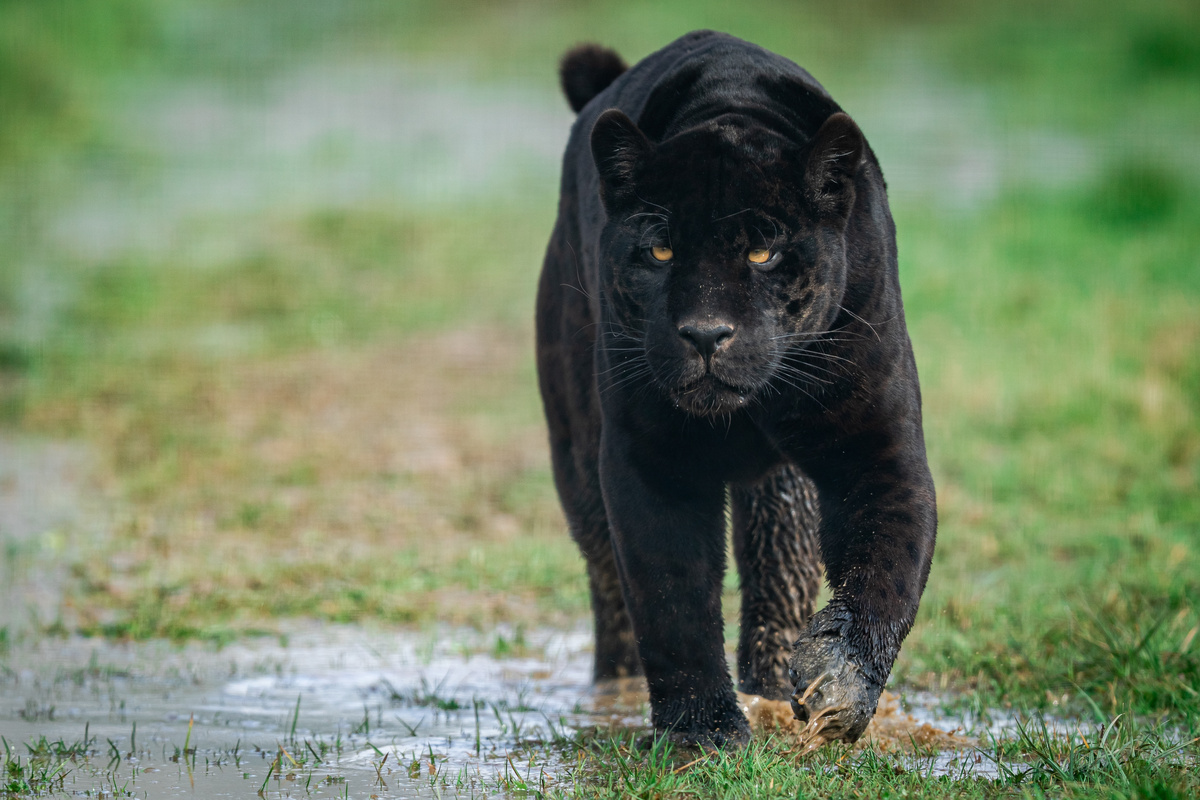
x,y
759,256
662,253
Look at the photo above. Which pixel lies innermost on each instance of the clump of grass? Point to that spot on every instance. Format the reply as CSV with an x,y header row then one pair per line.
x,y
616,766
1119,755
32,777
45,768
1120,649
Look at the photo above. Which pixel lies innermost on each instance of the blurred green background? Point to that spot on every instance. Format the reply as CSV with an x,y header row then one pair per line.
x,y
266,271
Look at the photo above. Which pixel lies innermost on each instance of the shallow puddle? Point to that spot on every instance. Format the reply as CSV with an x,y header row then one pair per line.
x,y
341,712
334,711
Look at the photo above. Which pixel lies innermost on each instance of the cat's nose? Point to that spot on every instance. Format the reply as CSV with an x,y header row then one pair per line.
x,y
708,337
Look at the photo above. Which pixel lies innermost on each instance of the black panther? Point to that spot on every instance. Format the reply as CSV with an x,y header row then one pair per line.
x,y
719,327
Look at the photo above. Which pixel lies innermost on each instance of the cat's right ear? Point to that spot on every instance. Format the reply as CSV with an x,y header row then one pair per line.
x,y
619,148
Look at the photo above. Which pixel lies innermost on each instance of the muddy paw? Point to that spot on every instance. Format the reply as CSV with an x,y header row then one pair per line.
x,y
833,695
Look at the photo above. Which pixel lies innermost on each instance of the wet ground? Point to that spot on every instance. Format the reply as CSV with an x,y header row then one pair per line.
x,y
337,711
341,711
333,711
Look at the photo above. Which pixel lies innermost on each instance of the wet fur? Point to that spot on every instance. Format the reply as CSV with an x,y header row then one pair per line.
x,y
808,414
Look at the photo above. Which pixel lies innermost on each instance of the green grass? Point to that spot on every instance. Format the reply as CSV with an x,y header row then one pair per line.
x,y
1117,761
43,769
1058,350
245,387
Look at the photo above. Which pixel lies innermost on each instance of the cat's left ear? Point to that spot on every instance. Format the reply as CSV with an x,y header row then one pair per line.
x,y
834,159
618,147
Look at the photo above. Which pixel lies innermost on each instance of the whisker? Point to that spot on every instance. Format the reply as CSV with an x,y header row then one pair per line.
x,y
578,277
828,356
656,205
637,374
804,376
801,370
615,369
734,214
651,231
576,288
865,322
802,389
837,370
816,334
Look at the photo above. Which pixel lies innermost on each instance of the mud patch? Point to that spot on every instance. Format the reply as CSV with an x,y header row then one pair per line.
x,y
892,729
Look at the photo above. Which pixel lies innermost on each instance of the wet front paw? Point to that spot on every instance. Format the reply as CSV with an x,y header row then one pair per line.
x,y
833,693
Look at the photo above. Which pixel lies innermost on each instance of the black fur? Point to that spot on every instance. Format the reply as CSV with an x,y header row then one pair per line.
x,y
586,71
675,369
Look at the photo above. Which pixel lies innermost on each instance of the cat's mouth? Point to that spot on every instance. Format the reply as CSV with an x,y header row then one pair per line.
x,y
709,396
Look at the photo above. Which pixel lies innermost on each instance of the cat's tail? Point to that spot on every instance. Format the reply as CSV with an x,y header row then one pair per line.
x,y
586,70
